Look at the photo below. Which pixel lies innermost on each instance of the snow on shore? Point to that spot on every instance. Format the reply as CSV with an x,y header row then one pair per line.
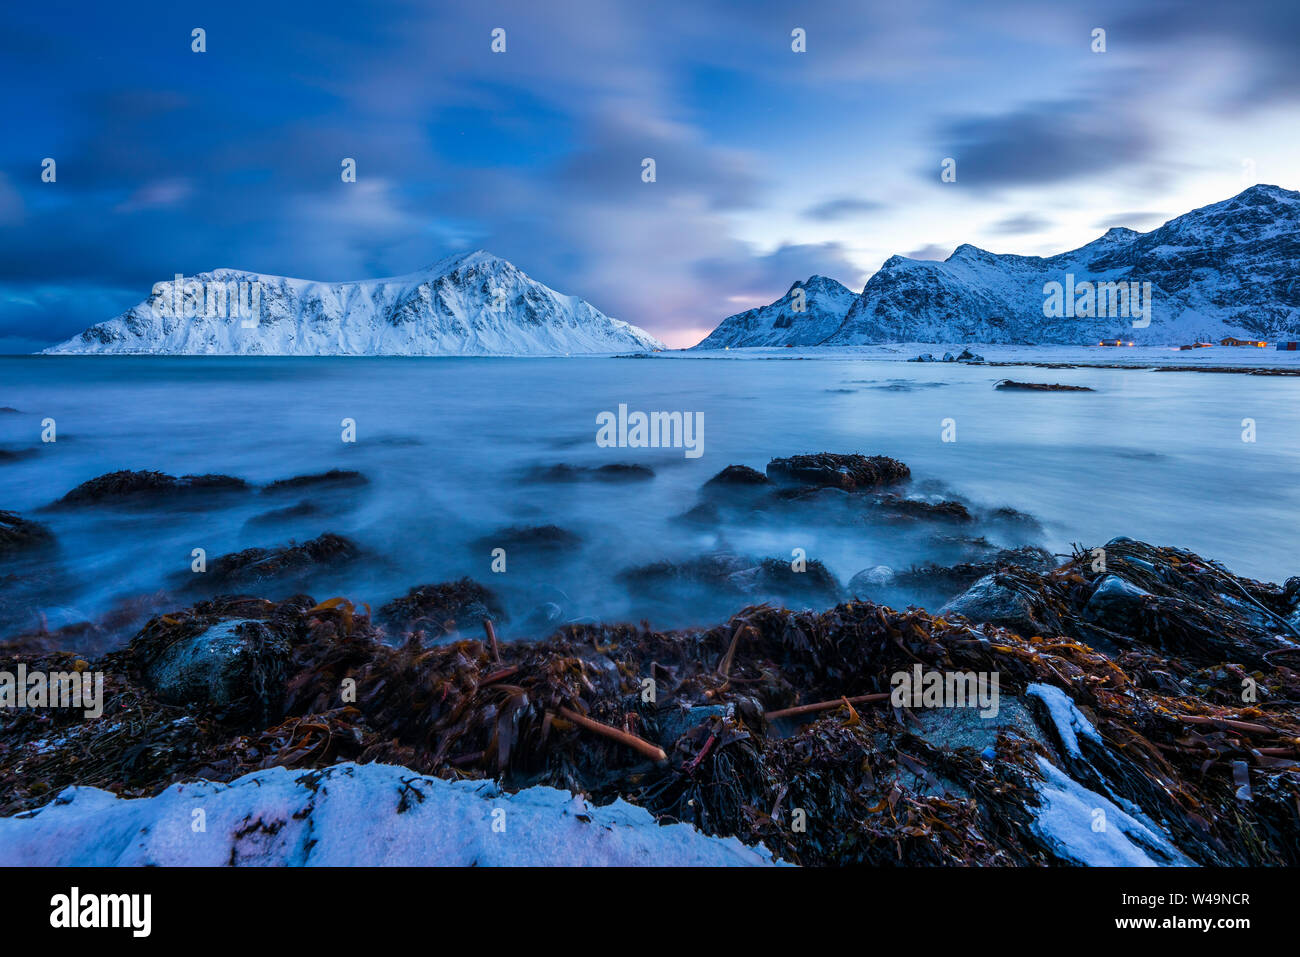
x,y
1245,357
354,815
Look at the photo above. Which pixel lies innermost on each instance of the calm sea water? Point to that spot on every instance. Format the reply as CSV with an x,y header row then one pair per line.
x,y
446,443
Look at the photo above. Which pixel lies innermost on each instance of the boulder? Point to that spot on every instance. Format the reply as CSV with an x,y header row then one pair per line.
x,y
1116,605
136,487
236,665
830,470
333,479
993,601
443,608
22,535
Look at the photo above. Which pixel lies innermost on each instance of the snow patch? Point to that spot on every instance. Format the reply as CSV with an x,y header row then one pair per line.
x,y
1069,720
354,815
1085,827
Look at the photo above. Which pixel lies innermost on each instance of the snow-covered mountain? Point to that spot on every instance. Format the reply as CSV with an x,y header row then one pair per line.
x,y
808,313
1232,268
472,304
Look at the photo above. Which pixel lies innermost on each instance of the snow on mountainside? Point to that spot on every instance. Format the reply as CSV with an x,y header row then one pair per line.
x,y
824,304
1232,268
473,304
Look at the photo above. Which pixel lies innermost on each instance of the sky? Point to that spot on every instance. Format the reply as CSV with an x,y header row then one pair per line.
x,y
771,165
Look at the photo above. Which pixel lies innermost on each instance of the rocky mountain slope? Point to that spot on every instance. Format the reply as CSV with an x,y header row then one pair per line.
x,y
474,304
807,313
1232,268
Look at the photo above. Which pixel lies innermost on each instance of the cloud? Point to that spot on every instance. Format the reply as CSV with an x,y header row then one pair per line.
x,y
931,251
1044,143
1021,223
846,207
1133,220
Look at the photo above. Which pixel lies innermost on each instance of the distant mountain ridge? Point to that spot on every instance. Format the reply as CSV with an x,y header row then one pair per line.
x,y
1228,269
470,304
791,320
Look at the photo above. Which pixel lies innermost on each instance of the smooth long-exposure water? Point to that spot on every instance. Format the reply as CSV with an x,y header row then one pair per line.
x,y
448,445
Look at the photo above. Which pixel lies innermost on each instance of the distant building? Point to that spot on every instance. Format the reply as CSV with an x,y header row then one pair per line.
x,y
1288,346
1230,341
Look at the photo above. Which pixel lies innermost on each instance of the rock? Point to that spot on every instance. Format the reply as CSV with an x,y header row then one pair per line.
x,y
278,516
675,720
614,472
709,571
257,565
1014,517
1116,605
990,600
723,575
947,580
443,608
898,507
237,665
531,539
737,476
871,579
847,472
968,356
815,586
128,486
924,357
18,534
703,514
334,478
1012,385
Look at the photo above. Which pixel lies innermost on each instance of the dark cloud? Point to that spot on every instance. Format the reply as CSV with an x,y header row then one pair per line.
x,y
1044,143
1140,221
930,251
1021,223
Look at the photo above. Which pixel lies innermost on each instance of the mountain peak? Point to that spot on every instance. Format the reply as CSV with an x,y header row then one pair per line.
x,y
477,257
1264,191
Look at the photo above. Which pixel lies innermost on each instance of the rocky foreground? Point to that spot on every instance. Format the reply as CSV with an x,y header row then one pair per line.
x,y
1147,713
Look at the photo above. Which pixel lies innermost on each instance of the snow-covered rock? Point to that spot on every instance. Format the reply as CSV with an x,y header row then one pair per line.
x,y
824,304
353,815
474,304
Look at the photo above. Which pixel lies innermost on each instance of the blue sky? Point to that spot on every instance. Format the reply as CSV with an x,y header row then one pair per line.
x,y
771,165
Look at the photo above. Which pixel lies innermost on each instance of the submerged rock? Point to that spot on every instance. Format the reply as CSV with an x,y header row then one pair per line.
x,y
897,507
546,540
278,516
334,478
443,608
1010,385
22,535
614,472
723,575
254,566
135,487
847,472
741,476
